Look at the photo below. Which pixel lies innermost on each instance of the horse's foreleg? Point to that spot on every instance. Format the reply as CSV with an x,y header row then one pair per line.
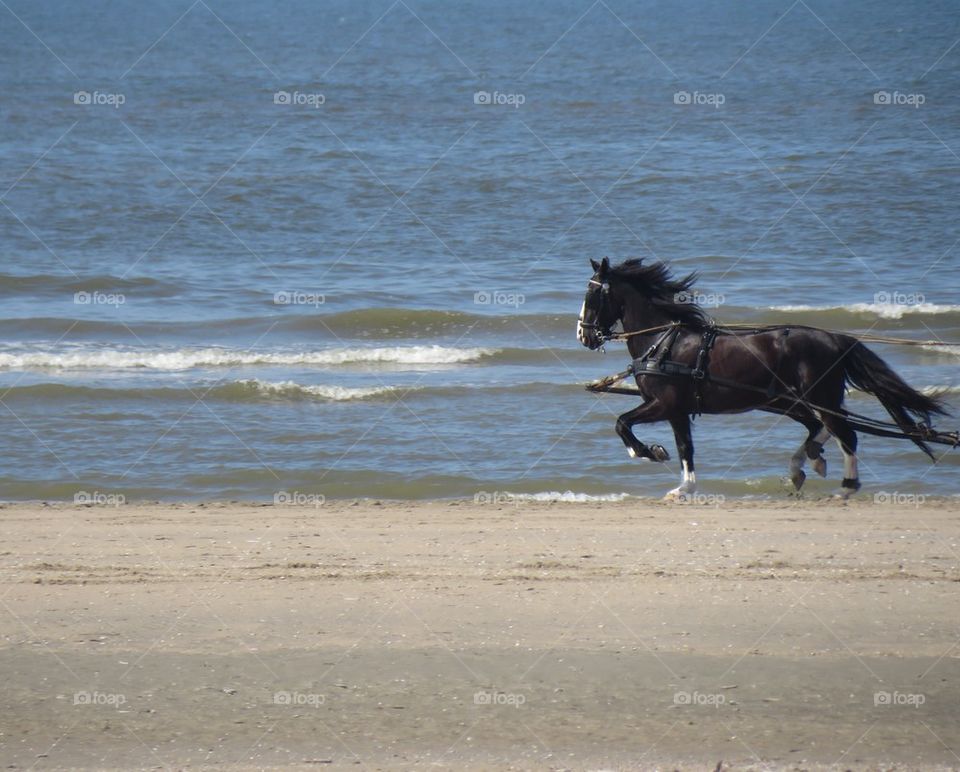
x,y
648,412
684,437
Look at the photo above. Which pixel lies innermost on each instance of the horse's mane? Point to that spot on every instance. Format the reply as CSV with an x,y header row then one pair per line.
x,y
658,285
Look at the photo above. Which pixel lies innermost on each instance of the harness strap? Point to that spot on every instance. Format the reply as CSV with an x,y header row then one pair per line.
x,y
666,368
655,362
700,373
664,345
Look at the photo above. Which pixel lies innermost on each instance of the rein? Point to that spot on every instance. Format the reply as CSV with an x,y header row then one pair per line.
x,y
615,336
754,328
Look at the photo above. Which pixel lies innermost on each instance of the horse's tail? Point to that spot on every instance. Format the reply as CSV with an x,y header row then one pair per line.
x,y
866,371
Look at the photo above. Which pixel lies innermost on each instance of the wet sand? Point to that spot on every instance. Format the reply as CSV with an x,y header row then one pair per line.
x,y
368,635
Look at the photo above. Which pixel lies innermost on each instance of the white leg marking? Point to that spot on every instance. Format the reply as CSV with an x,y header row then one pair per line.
x,y
797,459
819,464
849,470
849,463
631,452
687,487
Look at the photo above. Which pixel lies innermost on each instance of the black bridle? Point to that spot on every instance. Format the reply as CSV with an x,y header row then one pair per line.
x,y
604,332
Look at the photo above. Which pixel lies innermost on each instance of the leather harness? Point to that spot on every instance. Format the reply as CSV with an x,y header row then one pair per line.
x,y
655,362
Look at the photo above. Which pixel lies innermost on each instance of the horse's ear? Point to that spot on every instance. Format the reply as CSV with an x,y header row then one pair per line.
x,y
595,265
605,265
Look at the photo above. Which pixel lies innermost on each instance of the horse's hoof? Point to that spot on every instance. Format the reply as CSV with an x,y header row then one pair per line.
x,y
659,453
798,478
679,495
847,489
820,466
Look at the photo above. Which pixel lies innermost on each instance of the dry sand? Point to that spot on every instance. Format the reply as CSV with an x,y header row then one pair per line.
x,y
452,635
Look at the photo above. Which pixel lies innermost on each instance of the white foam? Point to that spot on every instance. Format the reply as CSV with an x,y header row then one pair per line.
x,y
185,359
569,497
883,310
333,393
950,350
928,390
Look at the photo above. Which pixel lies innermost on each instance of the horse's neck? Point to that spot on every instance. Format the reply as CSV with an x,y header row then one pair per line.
x,y
639,317
643,316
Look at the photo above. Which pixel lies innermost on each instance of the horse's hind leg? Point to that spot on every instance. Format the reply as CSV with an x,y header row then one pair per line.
x,y
684,437
648,412
814,446
847,440
811,448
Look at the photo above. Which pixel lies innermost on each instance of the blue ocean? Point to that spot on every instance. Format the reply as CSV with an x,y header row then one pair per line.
x,y
337,249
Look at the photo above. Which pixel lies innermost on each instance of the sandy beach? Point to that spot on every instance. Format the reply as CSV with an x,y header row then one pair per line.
x,y
374,635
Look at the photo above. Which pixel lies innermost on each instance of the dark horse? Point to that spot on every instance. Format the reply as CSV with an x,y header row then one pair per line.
x,y
797,371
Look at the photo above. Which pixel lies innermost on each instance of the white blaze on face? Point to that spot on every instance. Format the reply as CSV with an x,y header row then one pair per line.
x,y
580,336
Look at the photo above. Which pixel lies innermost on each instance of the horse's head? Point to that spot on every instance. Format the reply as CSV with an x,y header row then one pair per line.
x,y
602,307
639,296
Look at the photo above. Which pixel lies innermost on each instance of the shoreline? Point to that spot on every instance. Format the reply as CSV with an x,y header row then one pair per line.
x,y
381,634
504,498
